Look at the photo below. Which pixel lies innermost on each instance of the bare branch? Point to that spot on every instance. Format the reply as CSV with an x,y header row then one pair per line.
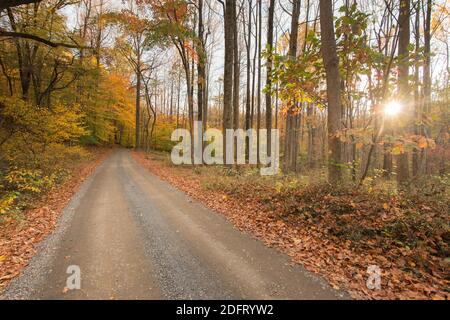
x,y
13,34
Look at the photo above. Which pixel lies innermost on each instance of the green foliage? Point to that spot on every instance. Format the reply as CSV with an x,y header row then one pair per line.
x,y
354,53
299,79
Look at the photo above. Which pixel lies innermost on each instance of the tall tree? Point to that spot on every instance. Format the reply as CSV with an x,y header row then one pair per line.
x,y
426,80
236,69
229,25
201,69
417,97
255,53
403,83
269,71
290,154
333,80
131,46
258,89
248,97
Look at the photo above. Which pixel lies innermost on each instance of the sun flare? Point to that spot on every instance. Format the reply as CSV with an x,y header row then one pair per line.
x,y
392,108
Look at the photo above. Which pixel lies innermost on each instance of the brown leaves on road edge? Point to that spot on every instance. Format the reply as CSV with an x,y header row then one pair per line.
x,y
18,238
344,267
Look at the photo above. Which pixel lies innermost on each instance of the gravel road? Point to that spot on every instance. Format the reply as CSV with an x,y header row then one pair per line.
x,y
134,236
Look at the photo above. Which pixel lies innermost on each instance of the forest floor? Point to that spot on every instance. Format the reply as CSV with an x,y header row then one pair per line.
x,y
20,232
337,232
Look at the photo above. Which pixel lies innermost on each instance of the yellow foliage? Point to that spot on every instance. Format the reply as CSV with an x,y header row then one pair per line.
x,y
6,201
56,125
36,136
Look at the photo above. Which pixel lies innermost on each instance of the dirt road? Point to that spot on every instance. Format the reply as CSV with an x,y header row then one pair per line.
x,y
134,236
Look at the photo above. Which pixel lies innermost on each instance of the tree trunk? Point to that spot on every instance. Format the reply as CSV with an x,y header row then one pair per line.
x,y
333,79
178,98
258,102
269,71
228,70
171,98
248,97
201,63
138,104
403,89
426,82
236,72
290,159
417,98
255,53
